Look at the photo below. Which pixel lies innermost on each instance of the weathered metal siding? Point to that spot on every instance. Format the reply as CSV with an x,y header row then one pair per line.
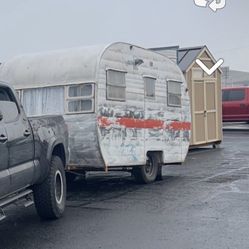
x,y
129,129
83,141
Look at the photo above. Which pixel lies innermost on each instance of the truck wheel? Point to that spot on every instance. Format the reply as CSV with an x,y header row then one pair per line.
x,y
147,173
50,196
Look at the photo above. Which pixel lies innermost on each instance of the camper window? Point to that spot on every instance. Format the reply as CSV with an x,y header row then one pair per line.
x,y
116,85
80,98
174,93
150,87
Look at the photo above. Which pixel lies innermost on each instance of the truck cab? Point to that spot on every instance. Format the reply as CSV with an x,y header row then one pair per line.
x,y
33,156
16,145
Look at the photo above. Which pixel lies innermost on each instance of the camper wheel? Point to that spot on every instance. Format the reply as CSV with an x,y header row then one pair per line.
x,y
149,172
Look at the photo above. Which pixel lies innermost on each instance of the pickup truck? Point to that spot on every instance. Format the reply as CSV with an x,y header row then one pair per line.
x,y
33,157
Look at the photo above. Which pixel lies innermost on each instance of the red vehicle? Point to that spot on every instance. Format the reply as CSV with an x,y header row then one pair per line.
x,y
235,104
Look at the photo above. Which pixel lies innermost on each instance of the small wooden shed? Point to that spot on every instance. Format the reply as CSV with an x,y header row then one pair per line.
x,y
205,94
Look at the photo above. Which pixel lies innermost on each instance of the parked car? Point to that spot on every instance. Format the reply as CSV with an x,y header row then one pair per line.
x,y
235,104
33,156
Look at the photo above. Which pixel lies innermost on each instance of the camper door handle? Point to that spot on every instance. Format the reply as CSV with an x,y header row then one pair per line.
x,y
205,113
26,133
3,138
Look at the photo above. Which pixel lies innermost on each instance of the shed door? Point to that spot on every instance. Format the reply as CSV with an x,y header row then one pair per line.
x,y
204,112
211,111
199,125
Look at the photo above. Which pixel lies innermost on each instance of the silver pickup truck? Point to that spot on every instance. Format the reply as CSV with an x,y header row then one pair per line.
x,y
33,156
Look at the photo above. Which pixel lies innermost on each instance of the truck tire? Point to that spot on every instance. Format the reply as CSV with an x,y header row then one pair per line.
x,y
147,173
50,196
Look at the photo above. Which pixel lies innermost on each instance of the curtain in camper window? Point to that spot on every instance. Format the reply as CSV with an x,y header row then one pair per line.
x,y
43,101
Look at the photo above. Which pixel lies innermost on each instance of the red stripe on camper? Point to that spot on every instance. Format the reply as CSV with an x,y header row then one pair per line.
x,y
140,123
176,125
143,123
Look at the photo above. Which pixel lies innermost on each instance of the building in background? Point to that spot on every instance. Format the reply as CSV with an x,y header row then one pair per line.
x,y
234,77
170,52
204,91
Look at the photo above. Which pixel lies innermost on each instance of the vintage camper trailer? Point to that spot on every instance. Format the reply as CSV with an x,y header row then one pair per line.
x,y
125,106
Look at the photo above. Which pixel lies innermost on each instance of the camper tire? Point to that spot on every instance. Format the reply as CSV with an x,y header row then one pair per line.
x,y
148,173
50,196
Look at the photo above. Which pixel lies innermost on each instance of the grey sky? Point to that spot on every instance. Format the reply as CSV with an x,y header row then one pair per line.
x,y
40,25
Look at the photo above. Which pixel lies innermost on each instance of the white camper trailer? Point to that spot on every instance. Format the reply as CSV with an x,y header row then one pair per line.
x,y
125,106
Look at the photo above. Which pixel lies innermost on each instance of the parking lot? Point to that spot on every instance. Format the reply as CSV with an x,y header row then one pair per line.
x,y
201,204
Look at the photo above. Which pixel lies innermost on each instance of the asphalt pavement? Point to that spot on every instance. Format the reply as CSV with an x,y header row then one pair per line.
x,y
203,203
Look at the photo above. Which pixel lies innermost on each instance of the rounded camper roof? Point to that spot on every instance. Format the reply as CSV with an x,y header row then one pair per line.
x,y
59,67
53,67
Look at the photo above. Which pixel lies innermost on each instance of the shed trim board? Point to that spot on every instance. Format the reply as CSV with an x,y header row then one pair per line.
x,y
117,133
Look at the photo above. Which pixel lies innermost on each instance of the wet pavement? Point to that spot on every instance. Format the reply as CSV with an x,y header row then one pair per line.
x,y
201,204
236,126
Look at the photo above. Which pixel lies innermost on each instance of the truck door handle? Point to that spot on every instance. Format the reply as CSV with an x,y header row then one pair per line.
x,y
3,138
27,133
242,106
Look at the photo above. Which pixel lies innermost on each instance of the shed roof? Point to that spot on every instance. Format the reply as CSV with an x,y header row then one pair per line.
x,y
186,56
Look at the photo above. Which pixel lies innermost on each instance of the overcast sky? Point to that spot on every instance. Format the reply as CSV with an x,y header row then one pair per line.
x,y
39,25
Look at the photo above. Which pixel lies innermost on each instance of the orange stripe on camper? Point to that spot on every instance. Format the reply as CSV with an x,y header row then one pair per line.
x,y
143,123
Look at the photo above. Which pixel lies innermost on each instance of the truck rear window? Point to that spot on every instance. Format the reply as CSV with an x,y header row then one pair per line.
x,y
233,95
